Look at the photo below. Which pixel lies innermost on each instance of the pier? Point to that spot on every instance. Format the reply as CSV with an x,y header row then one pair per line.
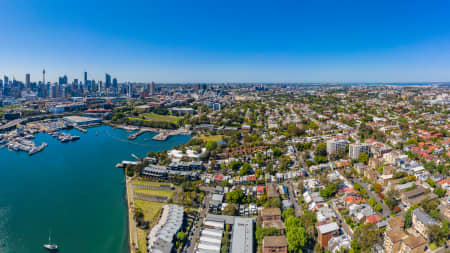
x,y
80,129
141,131
162,135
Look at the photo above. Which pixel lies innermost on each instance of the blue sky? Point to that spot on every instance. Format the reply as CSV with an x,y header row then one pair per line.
x,y
227,41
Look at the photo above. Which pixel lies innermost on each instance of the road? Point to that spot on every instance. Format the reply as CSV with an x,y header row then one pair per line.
x,y
13,123
386,210
194,234
342,222
297,208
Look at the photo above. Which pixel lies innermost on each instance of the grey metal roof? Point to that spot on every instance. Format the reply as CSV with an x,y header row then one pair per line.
x,y
242,241
327,228
424,217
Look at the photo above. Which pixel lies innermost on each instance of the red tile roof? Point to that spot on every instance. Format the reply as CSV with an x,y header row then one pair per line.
x,y
374,218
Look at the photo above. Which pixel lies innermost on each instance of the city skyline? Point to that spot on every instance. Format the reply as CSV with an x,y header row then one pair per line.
x,y
234,42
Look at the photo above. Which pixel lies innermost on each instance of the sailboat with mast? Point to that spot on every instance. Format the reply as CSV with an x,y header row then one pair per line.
x,y
50,246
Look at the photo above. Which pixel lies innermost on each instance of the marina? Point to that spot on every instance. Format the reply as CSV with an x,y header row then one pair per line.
x,y
21,139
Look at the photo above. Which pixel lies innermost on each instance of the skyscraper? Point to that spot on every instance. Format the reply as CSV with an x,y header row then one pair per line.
x,y
152,88
43,77
114,83
27,81
62,80
130,90
53,91
85,79
5,80
107,81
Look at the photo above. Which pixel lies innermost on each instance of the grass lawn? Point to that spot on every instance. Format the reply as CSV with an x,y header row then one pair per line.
x,y
432,246
157,117
148,183
142,239
211,137
151,210
155,193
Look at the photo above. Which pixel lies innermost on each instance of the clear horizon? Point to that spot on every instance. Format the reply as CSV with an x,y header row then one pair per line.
x,y
232,42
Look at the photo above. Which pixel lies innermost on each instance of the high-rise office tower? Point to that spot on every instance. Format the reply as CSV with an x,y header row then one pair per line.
x,y
107,81
130,90
114,83
85,79
53,91
63,80
5,81
152,88
43,77
27,81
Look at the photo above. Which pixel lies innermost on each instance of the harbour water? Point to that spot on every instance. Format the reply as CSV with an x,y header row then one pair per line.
x,y
72,190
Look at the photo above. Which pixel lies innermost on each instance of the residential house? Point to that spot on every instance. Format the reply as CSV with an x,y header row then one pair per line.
x,y
272,191
371,175
444,207
393,240
326,232
416,196
272,219
413,244
421,221
335,244
275,244
396,222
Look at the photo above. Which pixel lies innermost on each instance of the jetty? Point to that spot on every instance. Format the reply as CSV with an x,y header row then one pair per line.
x,y
123,164
141,131
161,136
80,129
164,134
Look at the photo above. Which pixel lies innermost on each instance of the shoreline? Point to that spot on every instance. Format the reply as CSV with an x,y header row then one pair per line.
x,y
132,241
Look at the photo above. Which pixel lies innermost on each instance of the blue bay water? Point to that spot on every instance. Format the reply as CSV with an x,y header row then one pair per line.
x,y
73,190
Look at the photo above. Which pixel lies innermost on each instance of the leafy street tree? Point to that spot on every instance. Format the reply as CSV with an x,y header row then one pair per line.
x,y
363,158
211,145
408,219
272,203
372,202
235,196
321,149
378,207
181,236
230,210
245,169
295,234
439,191
365,237
390,198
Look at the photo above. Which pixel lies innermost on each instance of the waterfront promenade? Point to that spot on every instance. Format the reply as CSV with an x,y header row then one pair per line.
x,y
133,242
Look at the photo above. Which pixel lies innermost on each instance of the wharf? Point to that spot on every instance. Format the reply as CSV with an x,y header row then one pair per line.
x,y
141,131
80,129
124,127
164,134
161,136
